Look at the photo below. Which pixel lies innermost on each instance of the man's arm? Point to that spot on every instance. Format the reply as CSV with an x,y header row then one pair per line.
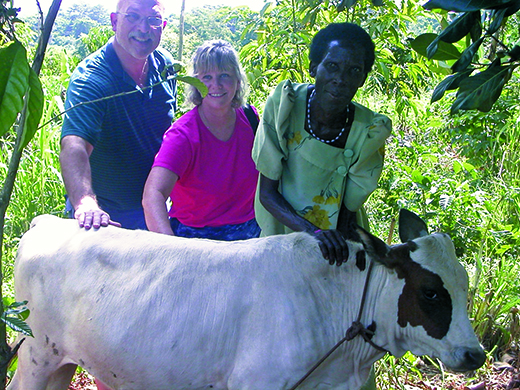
x,y
75,170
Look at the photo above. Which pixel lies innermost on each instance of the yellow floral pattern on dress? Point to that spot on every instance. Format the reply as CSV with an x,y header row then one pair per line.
x,y
332,200
382,151
317,216
296,138
318,199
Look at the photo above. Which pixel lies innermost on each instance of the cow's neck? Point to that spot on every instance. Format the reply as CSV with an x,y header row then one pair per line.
x,y
370,313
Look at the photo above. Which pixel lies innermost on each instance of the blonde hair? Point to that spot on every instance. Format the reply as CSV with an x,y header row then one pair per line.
x,y
218,54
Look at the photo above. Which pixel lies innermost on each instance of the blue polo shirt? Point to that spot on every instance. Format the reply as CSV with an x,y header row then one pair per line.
x,y
126,131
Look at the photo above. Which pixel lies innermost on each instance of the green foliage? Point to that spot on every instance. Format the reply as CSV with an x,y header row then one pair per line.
x,y
462,174
96,38
443,51
14,316
495,302
19,83
78,29
8,18
285,31
14,82
207,23
490,56
34,101
76,21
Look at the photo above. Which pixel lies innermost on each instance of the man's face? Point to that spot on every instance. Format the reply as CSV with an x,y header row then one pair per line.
x,y
138,31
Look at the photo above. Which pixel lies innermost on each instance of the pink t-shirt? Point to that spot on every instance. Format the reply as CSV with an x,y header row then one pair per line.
x,y
217,179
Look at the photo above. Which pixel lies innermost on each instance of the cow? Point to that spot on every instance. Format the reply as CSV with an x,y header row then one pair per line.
x,y
145,311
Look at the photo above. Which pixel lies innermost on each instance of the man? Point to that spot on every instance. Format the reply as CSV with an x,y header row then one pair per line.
x,y
108,147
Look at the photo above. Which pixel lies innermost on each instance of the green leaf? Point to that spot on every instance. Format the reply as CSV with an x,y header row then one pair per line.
x,y
172,69
476,31
457,166
18,309
420,180
377,3
465,5
445,201
14,316
467,56
449,83
498,18
17,325
460,27
196,83
14,81
513,8
482,90
14,304
35,104
514,53
445,51
469,167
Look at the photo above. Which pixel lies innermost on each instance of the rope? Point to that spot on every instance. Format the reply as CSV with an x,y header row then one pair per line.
x,y
357,328
319,363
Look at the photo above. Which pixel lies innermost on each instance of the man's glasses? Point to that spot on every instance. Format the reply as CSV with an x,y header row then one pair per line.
x,y
133,18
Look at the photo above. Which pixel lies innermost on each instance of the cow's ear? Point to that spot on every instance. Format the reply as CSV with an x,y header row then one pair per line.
x,y
411,226
374,247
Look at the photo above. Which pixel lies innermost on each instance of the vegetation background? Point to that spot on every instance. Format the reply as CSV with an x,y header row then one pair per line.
x,y
459,170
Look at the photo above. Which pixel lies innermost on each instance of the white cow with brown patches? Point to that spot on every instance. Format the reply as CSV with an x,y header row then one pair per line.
x,y
144,311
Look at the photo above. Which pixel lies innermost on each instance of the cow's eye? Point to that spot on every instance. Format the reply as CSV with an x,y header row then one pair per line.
x,y
430,295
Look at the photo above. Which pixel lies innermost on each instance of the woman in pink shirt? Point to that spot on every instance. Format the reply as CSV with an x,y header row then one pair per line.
x,y
204,164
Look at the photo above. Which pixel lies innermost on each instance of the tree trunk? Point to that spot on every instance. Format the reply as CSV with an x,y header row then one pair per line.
x,y
181,32
6,352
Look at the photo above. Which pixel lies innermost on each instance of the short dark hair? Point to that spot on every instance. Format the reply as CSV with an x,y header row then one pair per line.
x,y
349,35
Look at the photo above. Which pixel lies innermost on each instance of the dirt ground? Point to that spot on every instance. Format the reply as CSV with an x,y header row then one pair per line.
x,y
503,375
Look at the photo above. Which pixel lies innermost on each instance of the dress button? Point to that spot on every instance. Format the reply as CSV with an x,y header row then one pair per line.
x,y
348,153
342,170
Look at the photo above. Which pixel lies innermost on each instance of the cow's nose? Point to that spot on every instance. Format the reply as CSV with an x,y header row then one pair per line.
x,y
469,359
474,358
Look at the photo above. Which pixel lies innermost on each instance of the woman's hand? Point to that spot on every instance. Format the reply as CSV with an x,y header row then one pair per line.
x,y
333,246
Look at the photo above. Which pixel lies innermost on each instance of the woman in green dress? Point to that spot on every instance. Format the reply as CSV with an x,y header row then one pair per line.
x,y
319,154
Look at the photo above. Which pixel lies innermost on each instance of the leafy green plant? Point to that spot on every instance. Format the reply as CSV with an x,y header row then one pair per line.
x,y
490,50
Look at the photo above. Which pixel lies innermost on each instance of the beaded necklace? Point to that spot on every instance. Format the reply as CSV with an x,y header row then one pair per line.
x,y
327,141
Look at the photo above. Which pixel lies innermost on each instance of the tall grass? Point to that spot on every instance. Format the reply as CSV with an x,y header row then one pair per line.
x,y
462,174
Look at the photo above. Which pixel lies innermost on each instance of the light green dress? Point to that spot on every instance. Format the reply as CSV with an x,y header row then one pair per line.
x,y
316,177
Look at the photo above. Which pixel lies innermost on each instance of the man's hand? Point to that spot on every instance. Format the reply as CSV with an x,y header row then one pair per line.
x,y
89,214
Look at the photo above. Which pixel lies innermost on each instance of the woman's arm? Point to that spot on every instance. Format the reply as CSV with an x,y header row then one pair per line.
x,y
332,244
157,189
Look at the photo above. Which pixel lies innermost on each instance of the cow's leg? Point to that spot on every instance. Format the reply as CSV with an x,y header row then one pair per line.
x,y
36,380
61,378
40,368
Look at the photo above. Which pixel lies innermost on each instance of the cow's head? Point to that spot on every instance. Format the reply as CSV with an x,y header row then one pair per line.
x,y
431,312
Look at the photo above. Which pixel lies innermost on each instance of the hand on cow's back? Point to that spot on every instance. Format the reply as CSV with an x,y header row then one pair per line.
x,y
333,246
89,214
